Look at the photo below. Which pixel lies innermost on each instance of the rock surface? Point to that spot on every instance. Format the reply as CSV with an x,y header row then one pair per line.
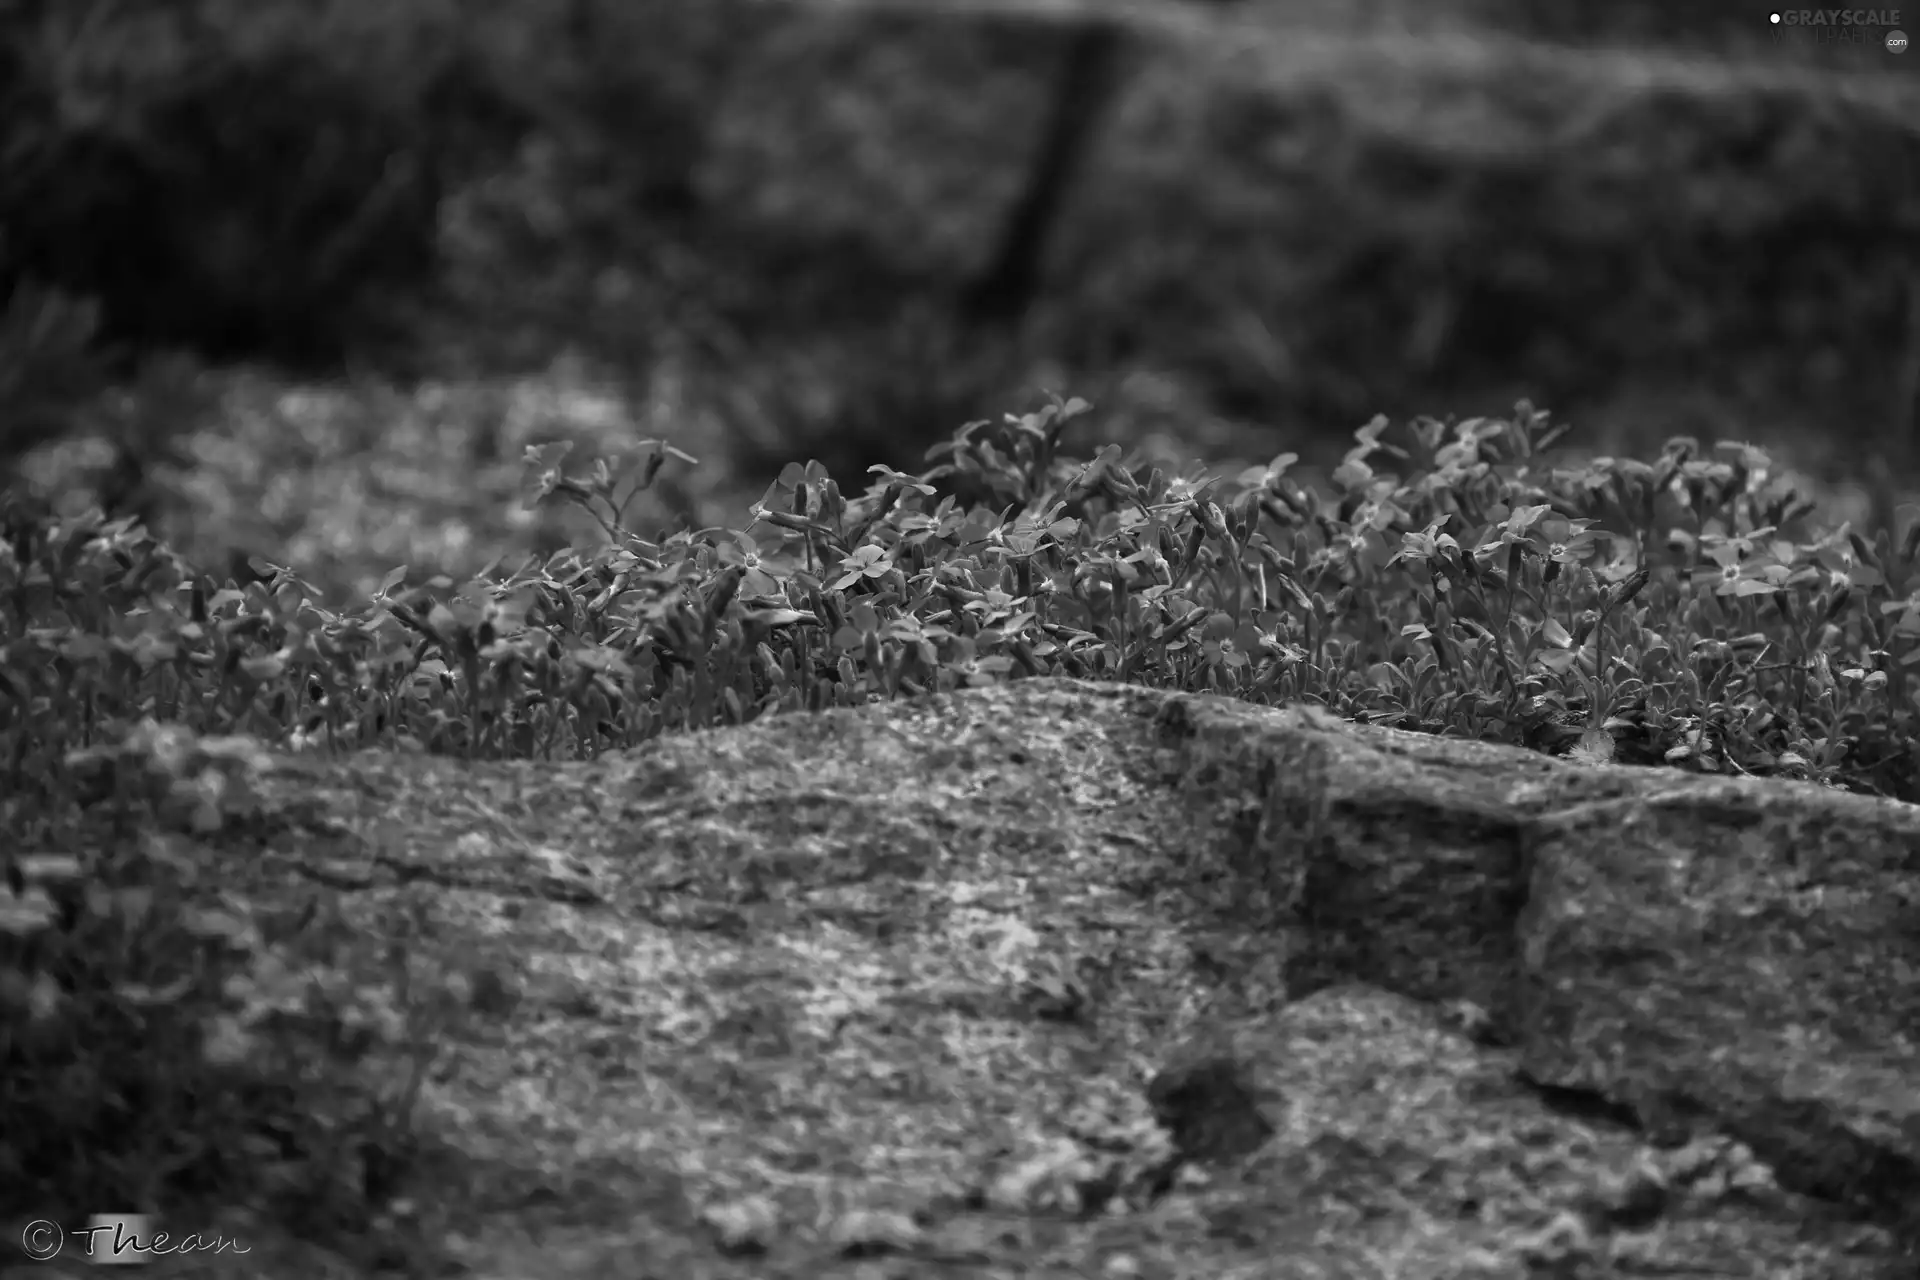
x,y
1064,979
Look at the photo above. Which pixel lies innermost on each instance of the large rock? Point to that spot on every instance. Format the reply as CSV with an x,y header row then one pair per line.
x,y
1060,979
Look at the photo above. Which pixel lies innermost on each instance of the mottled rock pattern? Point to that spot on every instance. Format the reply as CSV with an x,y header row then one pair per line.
x,y
1060,979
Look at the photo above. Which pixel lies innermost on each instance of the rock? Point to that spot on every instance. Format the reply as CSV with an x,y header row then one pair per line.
x,y
1342,994
1210,1110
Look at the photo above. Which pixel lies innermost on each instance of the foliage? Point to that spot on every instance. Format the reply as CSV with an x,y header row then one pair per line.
x,y
49,364
1306,233
173,1034
213,185
170,1035
1337,240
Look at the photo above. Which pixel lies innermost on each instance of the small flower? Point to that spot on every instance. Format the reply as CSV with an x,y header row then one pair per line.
x,y
865,562
1595,747
742,550
1425,544
1730,575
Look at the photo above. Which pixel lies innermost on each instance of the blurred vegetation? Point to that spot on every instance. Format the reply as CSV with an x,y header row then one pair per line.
x,y
792,222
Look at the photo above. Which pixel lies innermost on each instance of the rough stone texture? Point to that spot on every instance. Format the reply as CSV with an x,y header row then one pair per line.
x,y
1694,954
1060,979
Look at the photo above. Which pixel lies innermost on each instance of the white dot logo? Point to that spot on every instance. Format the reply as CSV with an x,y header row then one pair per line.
x,y
1896,42
1774,19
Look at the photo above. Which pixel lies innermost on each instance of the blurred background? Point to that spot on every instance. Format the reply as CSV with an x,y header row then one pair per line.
x,y
299,278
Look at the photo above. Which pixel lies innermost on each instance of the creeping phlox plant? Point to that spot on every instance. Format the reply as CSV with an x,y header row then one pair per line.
x,y
159,1033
